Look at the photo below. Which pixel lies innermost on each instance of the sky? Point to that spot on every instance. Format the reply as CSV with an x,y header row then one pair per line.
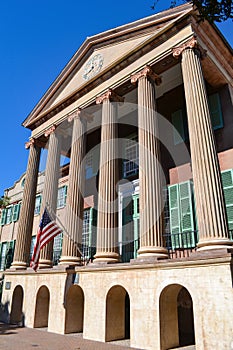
x,y
38,38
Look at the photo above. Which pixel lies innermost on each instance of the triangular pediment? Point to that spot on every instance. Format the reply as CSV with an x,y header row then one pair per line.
x,y
100,60
99,54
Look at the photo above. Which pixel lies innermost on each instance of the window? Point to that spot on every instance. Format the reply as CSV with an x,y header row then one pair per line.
x,y
131,156
3,251
57,248
227,181
86,234
130,227
6,254
33,241
61,197
92,162
37,205
179,121
215,111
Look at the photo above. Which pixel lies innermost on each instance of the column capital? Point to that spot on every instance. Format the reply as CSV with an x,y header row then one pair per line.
x,y
34,142
29,143
50,130
81,114
146,72
190,44
109,95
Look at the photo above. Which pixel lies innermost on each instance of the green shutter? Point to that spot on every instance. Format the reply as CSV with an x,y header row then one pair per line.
x,y
9,254
16,210
182,215
187,215
174,211
227,181
3,217
215,111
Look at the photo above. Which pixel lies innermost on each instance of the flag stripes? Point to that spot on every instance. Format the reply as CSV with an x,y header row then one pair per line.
x,y
48,229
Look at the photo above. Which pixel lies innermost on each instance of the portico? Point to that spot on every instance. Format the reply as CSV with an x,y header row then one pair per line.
x,y
118,84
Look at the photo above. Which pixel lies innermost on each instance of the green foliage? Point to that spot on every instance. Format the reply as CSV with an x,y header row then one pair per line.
x,y
212,10
4,201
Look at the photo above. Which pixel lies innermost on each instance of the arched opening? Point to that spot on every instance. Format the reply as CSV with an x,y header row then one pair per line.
x,y
176,317
42,308
117,314
16,315
74,310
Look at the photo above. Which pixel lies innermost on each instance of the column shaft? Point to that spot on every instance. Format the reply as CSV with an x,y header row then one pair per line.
x,y
150,172
24,235
107,230
72,238
49,196
211,213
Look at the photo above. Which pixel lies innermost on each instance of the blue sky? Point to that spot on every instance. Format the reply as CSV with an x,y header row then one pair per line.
x,y
38,38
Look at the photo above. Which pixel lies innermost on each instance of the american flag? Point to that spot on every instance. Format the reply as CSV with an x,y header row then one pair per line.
x,y
47,230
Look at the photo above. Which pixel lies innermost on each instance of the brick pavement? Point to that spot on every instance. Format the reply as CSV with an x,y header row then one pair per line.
x,y
15,338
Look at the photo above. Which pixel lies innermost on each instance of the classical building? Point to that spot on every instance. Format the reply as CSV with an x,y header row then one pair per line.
x,y
143,114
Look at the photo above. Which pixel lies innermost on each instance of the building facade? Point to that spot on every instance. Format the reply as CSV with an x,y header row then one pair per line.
x,y
143,113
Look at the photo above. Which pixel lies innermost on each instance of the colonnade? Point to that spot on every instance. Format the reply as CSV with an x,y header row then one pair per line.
x,y
211,213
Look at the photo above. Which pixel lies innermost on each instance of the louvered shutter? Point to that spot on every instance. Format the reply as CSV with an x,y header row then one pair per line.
x,y
187,215
215,111
3,217
9,254
16,209
174,211
227,181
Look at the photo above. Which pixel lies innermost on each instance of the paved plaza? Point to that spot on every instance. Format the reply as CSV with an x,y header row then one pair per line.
x,y
18,338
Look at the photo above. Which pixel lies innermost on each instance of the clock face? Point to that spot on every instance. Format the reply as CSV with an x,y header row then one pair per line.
x,y
93,66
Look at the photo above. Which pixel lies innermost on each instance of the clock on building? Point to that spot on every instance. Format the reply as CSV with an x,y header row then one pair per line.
x,y
93,66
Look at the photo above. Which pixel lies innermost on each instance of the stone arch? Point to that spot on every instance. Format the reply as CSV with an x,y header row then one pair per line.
x,y
74,306
117,314
42,308
176,317
16,315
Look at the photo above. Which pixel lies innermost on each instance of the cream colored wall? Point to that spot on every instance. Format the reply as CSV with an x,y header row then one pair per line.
x,y
209,283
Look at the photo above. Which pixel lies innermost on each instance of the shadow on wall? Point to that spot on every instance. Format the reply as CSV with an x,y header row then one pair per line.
x,y
9,318
4,312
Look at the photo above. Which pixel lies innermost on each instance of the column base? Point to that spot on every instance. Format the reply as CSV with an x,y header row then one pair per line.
x,y
152,252
45,264
19,265
218,243
106,257
70,260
